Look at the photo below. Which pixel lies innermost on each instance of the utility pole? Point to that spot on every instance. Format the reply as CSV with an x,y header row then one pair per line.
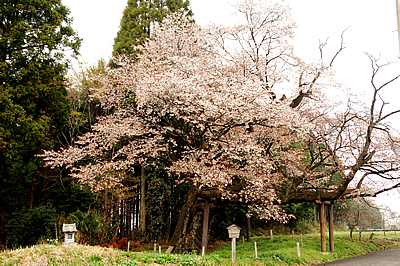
x,y
398,18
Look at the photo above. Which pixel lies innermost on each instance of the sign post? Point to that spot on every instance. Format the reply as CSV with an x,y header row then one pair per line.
x,y
234,232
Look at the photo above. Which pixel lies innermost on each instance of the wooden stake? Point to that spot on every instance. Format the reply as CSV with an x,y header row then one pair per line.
x,y
301,239
272,236
155,246
128,245
292,235
255,249
159,250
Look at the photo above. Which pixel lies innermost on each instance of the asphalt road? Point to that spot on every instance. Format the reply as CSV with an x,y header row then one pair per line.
x,y
389,257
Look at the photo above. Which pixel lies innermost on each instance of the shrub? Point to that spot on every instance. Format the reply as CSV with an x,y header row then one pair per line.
x,y
27,227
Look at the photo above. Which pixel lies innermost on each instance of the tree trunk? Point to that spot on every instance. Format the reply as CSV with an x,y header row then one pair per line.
x,y
137,212
248,225
143,200
188,233
188,229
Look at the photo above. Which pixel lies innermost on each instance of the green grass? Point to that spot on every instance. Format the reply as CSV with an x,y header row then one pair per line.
x,y
282,251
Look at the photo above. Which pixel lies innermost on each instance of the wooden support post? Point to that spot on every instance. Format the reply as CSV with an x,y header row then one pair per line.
x,y
322,226
272,236
331,238
255,249
292,235
205,225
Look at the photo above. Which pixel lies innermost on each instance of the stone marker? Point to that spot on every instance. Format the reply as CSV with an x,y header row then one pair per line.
x,y
69,230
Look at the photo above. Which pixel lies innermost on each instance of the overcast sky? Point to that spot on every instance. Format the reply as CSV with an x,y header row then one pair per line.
x,y
371,27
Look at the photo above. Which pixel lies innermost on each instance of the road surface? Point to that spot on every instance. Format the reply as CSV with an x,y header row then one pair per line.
x,y
388,257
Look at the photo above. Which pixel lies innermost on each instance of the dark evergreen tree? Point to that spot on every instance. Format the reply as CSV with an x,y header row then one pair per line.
x,y
34,34
137,19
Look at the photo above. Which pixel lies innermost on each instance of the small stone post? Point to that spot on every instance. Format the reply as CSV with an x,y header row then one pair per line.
x,y
298,249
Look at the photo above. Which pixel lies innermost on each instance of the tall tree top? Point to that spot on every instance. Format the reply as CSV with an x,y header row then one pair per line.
x,y
31,30
137,20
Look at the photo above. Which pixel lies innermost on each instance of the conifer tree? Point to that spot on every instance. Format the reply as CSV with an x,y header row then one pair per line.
x,y
33,96
137,20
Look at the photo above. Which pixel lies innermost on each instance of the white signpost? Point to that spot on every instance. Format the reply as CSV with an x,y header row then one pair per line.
x,y
234,232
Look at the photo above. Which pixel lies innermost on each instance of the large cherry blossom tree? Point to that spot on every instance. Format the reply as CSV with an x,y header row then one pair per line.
x,y
238,117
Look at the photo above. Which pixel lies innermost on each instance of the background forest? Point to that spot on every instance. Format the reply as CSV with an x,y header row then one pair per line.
x,y
43,108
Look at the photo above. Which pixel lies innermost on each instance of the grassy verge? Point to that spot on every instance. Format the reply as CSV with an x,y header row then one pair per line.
x,y
282,251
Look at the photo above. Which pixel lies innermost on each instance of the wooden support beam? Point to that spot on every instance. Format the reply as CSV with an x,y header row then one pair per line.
x,y
322,226
206,216
331,239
